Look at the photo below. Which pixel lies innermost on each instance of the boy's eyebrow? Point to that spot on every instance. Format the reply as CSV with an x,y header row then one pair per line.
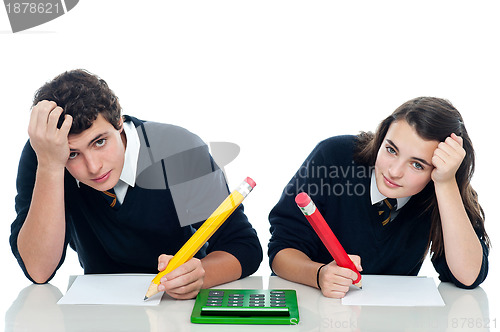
x,y
97,137
423,161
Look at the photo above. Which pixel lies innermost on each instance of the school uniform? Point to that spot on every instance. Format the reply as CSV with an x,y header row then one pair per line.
x,y
342,191
156,210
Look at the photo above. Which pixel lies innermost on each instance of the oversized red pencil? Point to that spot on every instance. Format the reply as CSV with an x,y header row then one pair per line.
x,y
326,235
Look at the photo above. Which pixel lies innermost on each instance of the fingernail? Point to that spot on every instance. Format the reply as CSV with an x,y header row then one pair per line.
x,y
164,279
161,266
161,288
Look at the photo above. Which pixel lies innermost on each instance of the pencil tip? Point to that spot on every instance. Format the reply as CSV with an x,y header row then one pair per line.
x,y
145,298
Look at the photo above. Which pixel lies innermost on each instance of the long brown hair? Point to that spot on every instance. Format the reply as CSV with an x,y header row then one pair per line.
x,y
433,119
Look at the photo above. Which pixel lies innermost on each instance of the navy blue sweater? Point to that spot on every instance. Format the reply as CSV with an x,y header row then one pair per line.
x,y
340,188
130,239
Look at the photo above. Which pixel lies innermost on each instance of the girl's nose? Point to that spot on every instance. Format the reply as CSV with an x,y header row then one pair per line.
x,y
396,170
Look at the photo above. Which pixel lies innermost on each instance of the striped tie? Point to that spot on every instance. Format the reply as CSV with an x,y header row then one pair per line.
x,y
111,198
385,209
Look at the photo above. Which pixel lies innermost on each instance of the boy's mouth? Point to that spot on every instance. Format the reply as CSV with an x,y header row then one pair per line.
x,y
103,177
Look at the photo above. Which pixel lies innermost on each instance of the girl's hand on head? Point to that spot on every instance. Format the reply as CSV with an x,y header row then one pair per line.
x,y
447,159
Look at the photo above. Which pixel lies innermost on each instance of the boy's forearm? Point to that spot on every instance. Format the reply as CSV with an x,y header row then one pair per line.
x,y
41,238
220,267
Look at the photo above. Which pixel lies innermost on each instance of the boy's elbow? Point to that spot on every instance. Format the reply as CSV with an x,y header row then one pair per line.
x,y
40,280
39,277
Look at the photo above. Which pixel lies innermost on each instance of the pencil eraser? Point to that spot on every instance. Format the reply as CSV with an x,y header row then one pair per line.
x,y
302,199
250,182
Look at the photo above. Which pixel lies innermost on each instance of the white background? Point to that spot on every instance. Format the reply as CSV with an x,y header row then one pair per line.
x,y
274,77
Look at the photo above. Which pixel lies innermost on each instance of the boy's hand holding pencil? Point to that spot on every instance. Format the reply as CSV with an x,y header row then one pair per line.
x,y
185,281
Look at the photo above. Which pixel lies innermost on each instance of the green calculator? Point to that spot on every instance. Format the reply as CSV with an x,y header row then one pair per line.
x,y
246,306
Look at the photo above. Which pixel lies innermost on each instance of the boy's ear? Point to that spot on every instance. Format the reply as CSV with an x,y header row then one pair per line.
x,y
121,124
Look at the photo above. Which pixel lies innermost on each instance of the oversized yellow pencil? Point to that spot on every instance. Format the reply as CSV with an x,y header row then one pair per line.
x,y
201,236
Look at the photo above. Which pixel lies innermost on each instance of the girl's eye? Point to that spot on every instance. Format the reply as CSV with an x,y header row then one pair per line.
x,y
417,165
73,155
100,142
391,150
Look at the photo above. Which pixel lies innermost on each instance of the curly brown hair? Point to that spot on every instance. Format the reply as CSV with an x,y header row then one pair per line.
x,y
82,95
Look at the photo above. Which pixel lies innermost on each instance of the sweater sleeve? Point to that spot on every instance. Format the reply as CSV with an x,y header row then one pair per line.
x,y
445,274
237,237
198,186
289,228
25,183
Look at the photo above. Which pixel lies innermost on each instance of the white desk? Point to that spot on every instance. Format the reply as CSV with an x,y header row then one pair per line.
x,y
35,309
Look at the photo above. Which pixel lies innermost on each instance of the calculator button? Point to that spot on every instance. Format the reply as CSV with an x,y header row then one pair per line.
x,y
214,304
236,304
277,292
256,305
216,293
214,298
278,304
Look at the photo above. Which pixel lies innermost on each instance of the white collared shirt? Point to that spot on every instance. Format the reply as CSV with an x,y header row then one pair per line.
x,y
377,197
127,178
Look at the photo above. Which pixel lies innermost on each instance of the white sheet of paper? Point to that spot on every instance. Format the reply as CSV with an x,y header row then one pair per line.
x,y
401,291
111,289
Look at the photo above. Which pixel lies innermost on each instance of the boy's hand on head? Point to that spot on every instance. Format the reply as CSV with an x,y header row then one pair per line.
x,y
49,142
335,280
447,159
185,281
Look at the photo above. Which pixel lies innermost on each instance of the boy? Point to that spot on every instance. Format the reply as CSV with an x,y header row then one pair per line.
x,y
120,192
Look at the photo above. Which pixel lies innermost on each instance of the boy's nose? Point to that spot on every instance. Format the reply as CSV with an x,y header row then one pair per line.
x,y
93,165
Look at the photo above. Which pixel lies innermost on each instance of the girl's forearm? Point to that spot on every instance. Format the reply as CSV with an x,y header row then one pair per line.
x,y
462,248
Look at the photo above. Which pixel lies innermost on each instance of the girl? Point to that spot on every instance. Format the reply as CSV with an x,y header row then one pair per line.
x,y
419,163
